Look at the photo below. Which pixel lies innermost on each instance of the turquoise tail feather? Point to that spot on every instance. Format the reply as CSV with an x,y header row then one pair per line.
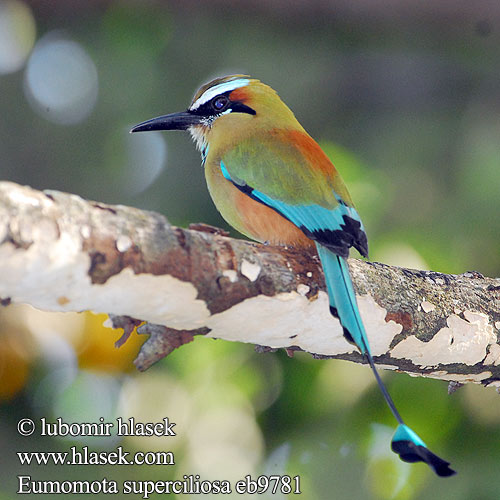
x,y
411,448
343,305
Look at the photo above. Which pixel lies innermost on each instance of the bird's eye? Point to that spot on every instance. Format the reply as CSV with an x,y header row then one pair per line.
x,y
220,103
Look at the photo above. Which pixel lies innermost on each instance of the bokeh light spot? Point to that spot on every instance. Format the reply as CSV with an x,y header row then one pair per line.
x,y
146,159
91,395
400,254
61,80
14,371
96,349
152,397
17,35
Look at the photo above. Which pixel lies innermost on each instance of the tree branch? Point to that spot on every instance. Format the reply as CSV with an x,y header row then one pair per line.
x,y
59,252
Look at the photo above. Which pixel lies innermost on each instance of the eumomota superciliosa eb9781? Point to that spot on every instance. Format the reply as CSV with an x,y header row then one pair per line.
x,y
272,182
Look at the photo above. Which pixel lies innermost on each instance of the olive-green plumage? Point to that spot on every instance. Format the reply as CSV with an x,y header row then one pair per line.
x,y
271,152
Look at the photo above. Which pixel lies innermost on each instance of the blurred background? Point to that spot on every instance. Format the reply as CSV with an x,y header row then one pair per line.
x,y
404,97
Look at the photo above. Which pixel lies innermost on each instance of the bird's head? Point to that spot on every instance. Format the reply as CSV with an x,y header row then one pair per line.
x,y
227,109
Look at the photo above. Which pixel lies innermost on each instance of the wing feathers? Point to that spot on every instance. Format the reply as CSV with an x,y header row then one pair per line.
x,y
337,228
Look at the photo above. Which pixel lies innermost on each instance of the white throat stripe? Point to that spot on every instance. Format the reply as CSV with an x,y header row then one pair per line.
x,y
219,89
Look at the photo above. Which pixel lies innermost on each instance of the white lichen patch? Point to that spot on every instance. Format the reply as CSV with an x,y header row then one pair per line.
x,y
250,270
123,243
230,274
282,321
462,341
85,231
497,325
107,323
387,367
427,306
48,264
495,383
18,196
379,331
63,266
309,274
493,357
303,289
457,377
158,299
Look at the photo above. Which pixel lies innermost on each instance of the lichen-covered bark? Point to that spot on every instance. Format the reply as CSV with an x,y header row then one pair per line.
x,y
60,252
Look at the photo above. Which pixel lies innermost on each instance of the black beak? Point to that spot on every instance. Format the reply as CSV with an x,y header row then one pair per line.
x,y
174,121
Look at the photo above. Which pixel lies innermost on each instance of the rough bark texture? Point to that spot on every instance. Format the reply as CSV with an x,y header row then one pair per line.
x,y
60,252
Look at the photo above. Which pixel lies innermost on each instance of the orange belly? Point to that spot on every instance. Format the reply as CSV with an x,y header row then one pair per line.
x,y
253,219
266,225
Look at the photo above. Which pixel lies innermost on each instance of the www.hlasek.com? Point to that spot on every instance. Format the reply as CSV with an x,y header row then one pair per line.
x,y
190,484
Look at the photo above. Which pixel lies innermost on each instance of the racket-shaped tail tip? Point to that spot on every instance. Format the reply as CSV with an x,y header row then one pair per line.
x,y
411,448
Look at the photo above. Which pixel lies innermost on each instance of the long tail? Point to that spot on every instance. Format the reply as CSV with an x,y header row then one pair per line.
x,y
343,306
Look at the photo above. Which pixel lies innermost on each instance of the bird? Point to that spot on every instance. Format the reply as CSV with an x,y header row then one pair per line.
x,y
273,183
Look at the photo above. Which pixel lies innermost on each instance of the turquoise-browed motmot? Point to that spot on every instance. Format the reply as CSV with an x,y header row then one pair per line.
x,y
272,182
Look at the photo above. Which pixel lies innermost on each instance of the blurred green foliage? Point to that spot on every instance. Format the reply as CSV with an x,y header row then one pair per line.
x,y
404,100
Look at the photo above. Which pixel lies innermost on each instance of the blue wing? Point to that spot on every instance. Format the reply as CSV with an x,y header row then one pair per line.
x,y
337,229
